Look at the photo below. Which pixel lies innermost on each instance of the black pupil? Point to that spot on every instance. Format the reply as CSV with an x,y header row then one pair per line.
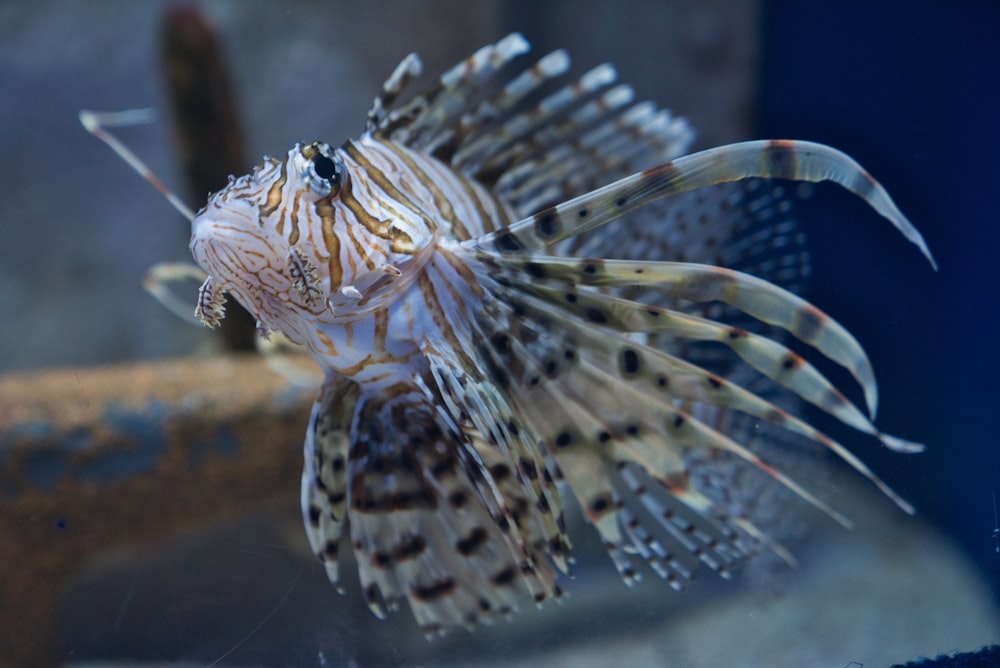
x,y
325,167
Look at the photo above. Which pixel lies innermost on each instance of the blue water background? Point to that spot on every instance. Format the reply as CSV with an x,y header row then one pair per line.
x,y
912,91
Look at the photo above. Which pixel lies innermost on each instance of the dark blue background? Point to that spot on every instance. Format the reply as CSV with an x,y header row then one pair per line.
x,y
912,91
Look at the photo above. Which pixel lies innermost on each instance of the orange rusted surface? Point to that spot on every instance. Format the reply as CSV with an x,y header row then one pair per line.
x,y
97,459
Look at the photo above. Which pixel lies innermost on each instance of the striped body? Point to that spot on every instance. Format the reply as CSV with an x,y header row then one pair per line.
x,y
492,345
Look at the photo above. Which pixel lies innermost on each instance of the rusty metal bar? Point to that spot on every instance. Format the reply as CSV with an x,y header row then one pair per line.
x,y
97,459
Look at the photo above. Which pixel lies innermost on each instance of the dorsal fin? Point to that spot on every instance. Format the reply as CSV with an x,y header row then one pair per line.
x,y
531,140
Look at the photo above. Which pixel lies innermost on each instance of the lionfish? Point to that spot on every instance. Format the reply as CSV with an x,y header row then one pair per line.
x,y
491,344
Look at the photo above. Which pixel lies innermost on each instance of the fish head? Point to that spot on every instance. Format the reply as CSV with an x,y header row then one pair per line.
x,y
299,240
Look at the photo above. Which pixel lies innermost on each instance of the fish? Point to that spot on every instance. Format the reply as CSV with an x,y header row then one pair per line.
x,y
523,291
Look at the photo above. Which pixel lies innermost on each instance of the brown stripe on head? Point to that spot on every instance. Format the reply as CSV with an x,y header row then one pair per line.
x,y
401,241
325,211
293,236
273,195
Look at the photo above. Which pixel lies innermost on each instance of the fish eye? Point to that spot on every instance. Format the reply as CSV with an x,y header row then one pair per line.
x,y
324,170
325,167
